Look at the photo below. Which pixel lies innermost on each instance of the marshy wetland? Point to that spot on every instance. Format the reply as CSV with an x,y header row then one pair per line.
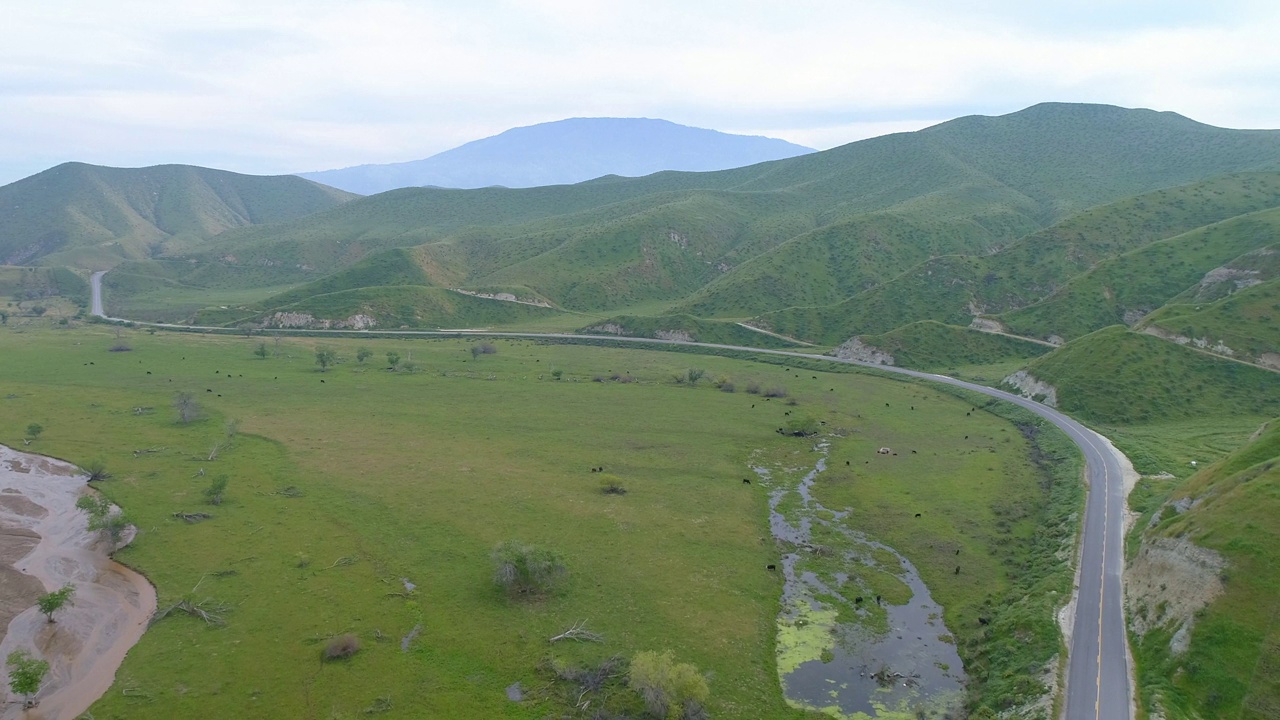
x,y
342,485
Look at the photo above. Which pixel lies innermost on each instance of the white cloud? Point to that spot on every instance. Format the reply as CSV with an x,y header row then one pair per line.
x,y
309,84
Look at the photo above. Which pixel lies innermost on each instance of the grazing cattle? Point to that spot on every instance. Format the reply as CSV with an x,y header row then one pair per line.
x,y
957,569
883,451
877,599
886,404
322,381
746,481
917,514
913,452
208,389
148,372
957,551
983,621
770,567
846,462
858,600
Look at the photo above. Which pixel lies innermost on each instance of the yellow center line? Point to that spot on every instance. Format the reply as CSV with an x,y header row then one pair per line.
x,y
1102,586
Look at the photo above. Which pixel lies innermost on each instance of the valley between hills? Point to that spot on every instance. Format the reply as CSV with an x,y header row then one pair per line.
x,y
661,379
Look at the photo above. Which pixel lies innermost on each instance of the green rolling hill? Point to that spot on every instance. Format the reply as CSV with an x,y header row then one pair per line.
x,y
1119,377
94,217
952,289
810,230
1244,324
1126,288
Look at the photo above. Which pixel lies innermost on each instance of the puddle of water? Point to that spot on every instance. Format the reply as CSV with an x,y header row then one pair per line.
x,y
842,649
111,604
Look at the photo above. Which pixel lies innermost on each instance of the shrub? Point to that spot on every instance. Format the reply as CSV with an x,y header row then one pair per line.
x,y
97,470
727,386
217,488
342,647
525,570
557,373
484,348
776,392
671,690
612,485
693,375
753,388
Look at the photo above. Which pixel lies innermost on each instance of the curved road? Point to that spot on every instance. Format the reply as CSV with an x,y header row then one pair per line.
x,y
1098,666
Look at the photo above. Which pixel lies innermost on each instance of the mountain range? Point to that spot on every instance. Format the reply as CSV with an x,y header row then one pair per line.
x,y
566,152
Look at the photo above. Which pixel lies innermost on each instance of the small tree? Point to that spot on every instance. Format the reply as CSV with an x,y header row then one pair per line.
x,y
101,518
527,571
694,375
393,359
26,675
670,690
557,373
363,354
187,407
261,350
217,488
34,430
51,603
325,357
484,348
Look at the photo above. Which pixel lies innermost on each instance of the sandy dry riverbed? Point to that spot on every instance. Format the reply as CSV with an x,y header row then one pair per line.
x,y
44,545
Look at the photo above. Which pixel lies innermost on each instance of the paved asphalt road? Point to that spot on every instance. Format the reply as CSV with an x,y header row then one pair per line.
x,y
1098,674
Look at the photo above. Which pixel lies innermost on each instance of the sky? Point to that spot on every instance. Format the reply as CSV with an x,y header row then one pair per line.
x,y
281,86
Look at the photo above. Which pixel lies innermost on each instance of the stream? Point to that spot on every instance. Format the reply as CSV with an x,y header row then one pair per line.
x,y
45,544
843,649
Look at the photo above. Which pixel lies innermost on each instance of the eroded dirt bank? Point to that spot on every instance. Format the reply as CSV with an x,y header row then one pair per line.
x,y
44,544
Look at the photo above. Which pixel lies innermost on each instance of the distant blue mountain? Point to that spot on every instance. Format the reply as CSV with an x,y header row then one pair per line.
x,y
565,152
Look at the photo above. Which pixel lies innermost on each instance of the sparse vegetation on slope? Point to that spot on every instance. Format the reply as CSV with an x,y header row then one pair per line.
x,y
1205,637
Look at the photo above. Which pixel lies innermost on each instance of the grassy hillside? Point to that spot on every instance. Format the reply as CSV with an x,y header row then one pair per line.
x,y
91,216
402,306
685,327
1245,323
1126,288
1116,376
961,187
952,289
1222,660
929,345
31,285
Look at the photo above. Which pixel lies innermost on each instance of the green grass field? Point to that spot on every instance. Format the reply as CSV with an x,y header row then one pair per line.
x,y
419,475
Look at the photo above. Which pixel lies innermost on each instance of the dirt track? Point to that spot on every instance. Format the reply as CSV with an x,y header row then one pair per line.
x,y
44,545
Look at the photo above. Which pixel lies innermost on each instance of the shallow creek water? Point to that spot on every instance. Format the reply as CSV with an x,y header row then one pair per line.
x,y
111,604
847,658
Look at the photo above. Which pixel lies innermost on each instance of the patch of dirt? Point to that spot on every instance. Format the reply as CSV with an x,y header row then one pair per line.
x,y
855,349
1031,387
1168,582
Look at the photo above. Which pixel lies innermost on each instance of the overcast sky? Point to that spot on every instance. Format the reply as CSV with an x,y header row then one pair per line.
x,y
276,86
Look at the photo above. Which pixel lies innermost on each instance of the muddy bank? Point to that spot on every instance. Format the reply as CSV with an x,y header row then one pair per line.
x,y
44,544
